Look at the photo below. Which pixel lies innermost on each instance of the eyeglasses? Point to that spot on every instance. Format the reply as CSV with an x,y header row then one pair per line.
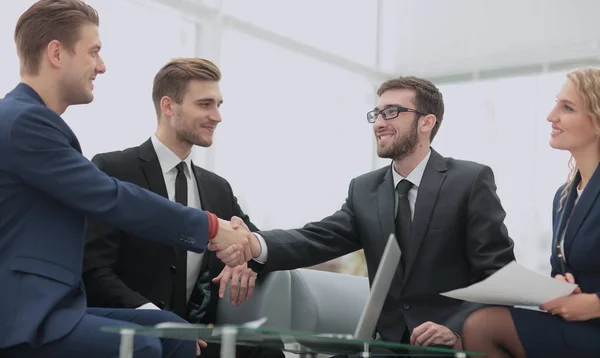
x,y
390,112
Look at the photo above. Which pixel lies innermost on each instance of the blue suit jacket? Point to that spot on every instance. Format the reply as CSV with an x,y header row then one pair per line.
x,y
582,236
47,188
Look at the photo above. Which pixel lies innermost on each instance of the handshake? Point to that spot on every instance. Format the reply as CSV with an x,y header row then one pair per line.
x,y
235,244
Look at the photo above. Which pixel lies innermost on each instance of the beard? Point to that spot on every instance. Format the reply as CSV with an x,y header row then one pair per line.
x,y
402,146
189,135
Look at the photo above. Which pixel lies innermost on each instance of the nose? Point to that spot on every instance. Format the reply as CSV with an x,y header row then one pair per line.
x,y
216,117
553,115
100,66
379,122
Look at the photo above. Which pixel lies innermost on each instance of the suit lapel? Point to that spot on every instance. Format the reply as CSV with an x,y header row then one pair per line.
x,y
581,210
385,204
427,194
152,170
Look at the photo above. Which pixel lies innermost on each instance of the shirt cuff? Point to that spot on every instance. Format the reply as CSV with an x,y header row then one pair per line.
x,y
148,306
262,258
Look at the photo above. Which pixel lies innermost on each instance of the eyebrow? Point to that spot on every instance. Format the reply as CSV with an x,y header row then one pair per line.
x,y
566,101
211,100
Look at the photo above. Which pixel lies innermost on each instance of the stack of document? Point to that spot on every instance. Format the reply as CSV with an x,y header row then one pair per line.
x,y
514,285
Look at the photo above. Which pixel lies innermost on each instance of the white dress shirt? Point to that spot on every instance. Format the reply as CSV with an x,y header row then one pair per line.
x,y
168,162
414,177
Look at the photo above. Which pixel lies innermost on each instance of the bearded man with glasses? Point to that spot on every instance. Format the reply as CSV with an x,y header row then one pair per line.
x,y
445,213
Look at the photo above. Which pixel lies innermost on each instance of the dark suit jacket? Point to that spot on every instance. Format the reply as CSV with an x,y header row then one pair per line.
x,y
47,188
458,238
123,270
582,235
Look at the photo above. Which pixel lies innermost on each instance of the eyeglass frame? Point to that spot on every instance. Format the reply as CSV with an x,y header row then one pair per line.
x,y
400,109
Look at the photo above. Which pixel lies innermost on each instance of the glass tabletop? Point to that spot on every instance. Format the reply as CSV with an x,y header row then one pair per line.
x,y
309,342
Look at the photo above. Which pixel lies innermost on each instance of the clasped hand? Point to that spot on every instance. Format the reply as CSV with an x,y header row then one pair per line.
x,y
234,243
577,306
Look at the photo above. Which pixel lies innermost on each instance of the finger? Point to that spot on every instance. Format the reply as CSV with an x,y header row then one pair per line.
x,y
218,278
577,290
221,254
224,282
425,336
550,306
251,284
213,247
202,343
560,277
198,351
243,287
236,222
435,338
418,331
235,287
570,278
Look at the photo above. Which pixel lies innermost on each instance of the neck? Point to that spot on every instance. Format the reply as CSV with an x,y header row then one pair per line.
x,y
407,164
587,162
181,148
48,90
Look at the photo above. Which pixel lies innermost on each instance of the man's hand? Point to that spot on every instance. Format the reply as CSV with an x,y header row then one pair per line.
x,y
243,280
255,247
200,344
568,277
232,245
575,307
430,333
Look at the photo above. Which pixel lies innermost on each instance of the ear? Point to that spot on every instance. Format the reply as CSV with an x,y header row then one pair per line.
x,y
427,123
54,53
166,106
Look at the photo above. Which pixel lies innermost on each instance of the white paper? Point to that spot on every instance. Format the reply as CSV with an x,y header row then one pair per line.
x,y
514,285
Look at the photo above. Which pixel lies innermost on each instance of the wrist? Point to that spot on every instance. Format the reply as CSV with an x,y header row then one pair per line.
x,y
213,225
255,246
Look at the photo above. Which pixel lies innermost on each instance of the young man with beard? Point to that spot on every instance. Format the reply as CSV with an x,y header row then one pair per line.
x,y
122,270
445,214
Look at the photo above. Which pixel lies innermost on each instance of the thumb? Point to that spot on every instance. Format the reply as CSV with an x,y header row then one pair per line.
x,y
237,222
218,278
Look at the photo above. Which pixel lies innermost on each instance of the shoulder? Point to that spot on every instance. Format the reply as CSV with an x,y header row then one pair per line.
x,y
211,178
110,161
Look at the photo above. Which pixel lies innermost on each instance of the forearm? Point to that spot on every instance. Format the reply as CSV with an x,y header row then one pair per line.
x,y
105,288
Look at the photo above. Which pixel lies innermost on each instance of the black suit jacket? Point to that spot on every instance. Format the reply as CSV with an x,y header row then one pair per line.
x,y
458,238
123,271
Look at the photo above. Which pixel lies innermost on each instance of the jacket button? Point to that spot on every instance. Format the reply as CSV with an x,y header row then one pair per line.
x,y
405,306
173,269
161,305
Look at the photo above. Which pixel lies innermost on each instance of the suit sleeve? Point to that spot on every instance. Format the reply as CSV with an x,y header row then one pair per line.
x,y
489,248
103,285
40,153
316,242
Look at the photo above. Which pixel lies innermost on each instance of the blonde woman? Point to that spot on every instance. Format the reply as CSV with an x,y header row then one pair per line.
x,y
568,326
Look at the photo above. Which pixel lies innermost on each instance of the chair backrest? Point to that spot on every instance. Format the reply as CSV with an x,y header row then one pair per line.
x,y
271,299
327,302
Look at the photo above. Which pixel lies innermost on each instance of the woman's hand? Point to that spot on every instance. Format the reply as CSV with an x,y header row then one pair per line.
x,y
568,277
576,307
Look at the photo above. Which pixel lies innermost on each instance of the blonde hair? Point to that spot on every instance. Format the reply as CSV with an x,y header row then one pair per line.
x,y
587,82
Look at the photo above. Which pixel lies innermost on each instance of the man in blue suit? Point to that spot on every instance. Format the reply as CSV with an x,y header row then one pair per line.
x,y
47,189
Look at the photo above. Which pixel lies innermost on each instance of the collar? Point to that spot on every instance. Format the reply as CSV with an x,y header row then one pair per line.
x,y
416,175
166,158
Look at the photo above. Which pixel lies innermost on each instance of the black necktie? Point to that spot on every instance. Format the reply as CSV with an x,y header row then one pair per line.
x,y
403,218
180,284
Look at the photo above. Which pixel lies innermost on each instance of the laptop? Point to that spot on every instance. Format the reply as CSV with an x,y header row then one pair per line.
x,y
369,317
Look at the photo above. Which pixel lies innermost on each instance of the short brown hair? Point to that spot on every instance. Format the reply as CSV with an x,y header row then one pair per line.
x,y
428,98
173,78
49,20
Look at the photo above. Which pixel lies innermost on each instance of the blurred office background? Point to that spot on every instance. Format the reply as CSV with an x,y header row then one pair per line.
x,y
299,77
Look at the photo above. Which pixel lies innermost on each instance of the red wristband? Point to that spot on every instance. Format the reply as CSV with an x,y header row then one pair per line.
x,y
213,225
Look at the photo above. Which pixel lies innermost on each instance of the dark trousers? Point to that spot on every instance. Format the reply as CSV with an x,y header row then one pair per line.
x,y
86,339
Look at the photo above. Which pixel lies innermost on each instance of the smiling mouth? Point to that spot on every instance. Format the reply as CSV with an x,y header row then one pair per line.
x,y
384,136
